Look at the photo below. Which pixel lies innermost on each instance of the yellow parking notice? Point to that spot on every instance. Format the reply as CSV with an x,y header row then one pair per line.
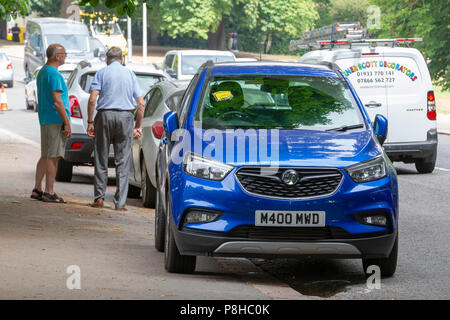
x,y
223,95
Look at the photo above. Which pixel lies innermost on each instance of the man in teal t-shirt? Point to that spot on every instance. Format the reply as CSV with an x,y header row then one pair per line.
x,y
54,118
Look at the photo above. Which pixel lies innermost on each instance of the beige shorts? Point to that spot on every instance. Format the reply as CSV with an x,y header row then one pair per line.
x,y
53,142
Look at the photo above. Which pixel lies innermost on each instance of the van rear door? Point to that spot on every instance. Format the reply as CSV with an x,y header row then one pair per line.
x,y
406,95
361,66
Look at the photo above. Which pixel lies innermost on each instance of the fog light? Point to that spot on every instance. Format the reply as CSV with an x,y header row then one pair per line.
x,y
197,216
377,220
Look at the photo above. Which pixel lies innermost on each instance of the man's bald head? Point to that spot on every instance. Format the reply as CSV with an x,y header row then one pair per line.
x,y
53,49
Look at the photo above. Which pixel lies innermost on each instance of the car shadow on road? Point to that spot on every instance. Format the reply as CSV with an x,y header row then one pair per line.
x,y
314,276
84,178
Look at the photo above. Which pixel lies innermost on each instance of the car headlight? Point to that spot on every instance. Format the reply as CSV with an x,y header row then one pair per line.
x,y
373,169
200,167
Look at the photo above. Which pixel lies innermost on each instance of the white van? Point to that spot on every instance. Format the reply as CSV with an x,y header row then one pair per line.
x,y
394,82
41,32
183,64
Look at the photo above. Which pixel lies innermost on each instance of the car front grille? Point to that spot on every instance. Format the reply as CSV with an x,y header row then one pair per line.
x,y
289,234
311,182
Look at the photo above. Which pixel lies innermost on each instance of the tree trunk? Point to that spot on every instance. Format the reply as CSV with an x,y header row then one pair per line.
x,y
216,40
154,34
69,10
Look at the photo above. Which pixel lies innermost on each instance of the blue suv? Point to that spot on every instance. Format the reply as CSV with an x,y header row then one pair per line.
x,y
274,160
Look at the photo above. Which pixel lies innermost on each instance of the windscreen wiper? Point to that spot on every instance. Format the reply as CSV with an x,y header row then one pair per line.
x,y
345,128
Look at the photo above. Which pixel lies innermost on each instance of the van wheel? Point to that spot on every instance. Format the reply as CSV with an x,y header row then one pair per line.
x,y
148,190
387,265
174,262
64,171
426,165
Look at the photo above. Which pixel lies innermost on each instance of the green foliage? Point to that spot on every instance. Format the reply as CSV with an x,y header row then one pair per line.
x,y
349,10
46,8
13,8
425,19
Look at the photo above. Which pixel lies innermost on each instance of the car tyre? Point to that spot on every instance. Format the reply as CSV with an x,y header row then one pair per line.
x,y
160,222
387,265
10,84
28,105
174,262
64,171
133,191
426,165
148,190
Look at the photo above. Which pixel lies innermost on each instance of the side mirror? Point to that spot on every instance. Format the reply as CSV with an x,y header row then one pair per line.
x,y
171,73
97,52
170,122
380,127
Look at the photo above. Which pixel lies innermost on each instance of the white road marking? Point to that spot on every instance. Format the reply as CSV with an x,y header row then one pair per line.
x,y
18,138
442,169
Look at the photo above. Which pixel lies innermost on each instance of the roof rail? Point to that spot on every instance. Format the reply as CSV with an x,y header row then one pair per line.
x,y
347,43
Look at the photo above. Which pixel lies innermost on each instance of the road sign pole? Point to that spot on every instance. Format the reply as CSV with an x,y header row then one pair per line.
x,y
144,33
129,41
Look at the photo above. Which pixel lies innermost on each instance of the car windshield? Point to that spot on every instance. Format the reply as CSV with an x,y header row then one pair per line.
x,y
146,81
190,64
71,42
107,28
282,102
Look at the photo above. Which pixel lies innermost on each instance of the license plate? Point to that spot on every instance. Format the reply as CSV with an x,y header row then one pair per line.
x,y
290,218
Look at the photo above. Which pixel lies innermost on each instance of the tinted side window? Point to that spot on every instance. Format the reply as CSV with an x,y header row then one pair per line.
x,y
173,102
184,106
153,102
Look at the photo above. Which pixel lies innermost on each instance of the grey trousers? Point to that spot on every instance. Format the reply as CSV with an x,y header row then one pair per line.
x,y
116,128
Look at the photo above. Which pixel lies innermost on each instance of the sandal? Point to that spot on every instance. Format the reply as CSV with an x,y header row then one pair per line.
x,y
52,198
38,196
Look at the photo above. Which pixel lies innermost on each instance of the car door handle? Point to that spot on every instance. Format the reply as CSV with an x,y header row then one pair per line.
x,y
373,104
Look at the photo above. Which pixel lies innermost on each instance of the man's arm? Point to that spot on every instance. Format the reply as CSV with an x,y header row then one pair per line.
x,y
140,114
91,107
59,105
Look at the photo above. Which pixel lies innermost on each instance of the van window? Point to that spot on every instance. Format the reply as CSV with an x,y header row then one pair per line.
x,y
72,42
168,62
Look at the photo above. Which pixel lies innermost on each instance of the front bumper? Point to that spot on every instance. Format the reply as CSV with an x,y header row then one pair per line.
x,y
410,151
193,242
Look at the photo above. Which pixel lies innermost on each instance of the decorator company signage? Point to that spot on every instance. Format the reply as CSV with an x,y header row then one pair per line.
x,y
378,71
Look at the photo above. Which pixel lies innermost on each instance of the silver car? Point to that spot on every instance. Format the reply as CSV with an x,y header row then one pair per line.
x,y
162,98
31,88
6,71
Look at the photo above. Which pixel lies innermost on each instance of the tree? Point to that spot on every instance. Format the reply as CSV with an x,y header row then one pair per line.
x,y
425,19
287,17
349,10
13,7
